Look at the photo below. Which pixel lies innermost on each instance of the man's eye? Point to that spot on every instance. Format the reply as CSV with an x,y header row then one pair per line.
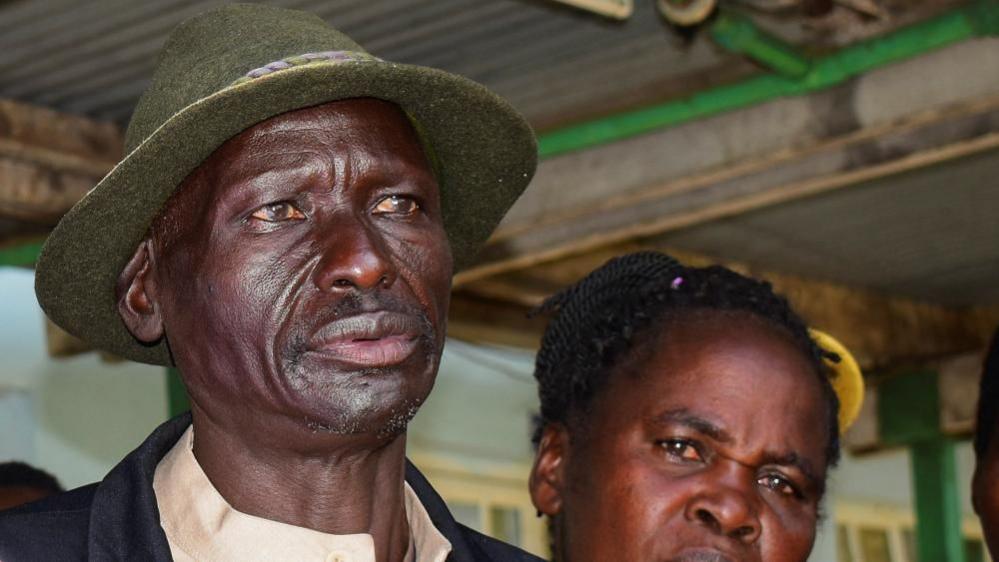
x,y
396,205
278,212
779,484
681,449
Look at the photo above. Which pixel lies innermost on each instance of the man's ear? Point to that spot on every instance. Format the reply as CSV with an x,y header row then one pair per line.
x,y
137,296
547,480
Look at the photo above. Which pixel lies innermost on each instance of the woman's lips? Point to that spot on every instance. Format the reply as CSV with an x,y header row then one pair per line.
x,y
369,340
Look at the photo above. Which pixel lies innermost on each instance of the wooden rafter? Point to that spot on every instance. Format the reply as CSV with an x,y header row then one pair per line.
x,y
880,330
930,137
49,160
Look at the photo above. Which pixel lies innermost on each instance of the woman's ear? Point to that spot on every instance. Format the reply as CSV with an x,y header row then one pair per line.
x,y
138,303
547,480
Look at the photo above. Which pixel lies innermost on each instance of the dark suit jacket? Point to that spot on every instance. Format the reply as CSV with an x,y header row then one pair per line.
x,y
117,518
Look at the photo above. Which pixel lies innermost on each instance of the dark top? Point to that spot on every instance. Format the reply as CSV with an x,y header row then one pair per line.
x,y
117,518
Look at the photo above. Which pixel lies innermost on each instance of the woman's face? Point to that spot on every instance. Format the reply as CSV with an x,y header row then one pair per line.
x,y
707,446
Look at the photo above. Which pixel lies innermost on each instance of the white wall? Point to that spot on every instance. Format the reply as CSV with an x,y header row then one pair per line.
x,y
75,418
481,405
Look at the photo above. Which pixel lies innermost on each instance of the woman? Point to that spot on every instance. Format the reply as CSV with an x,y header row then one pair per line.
x,y
686,415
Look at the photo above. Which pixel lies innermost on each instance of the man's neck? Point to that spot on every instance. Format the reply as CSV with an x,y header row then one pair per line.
x,y
339,491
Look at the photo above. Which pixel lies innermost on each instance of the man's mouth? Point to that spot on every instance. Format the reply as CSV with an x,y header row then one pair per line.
x,y
368,340
701,555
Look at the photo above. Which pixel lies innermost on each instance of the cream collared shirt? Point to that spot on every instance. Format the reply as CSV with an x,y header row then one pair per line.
x,y
201,526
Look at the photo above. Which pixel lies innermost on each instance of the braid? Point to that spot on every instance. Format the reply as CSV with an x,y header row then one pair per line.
x,y
597,321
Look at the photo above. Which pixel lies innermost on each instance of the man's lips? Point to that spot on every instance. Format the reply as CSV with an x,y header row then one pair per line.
x,y
701,555
374,339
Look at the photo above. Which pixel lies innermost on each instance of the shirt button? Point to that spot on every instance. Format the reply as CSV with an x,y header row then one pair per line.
x,y
337,557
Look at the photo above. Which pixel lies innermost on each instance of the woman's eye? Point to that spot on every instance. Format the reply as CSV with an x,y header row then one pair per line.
x,y
396,205
778,484
681,449
278,212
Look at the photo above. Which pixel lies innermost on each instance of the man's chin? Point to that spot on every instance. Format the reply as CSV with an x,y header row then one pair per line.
x,y
383,423
376,401
377,404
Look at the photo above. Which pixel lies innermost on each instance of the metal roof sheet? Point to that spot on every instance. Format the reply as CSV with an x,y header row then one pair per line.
x,y
554,63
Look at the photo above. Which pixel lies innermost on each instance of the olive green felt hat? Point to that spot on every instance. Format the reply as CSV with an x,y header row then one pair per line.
x,y
226,70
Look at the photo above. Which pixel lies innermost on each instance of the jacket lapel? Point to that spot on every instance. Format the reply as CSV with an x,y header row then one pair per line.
x,y
124,517
461,549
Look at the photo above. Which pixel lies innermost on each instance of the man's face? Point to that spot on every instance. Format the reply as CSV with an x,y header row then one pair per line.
x,y
708,447
304,273
985,495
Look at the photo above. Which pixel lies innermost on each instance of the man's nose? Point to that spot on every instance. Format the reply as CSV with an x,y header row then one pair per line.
x,y
354,259
727,508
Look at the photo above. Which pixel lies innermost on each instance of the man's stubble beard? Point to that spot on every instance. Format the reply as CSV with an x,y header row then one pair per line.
x,y
352,410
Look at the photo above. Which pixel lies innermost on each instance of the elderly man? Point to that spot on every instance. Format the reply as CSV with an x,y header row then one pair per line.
x,y
283,230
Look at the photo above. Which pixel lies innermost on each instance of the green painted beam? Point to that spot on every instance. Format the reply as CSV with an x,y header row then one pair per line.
x,y
21,255
938,504
975,20
177,400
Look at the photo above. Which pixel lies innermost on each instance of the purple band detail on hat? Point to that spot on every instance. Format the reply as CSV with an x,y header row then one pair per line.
x,y
677,282
307,58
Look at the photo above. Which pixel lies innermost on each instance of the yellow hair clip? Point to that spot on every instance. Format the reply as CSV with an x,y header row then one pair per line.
x,y
848,382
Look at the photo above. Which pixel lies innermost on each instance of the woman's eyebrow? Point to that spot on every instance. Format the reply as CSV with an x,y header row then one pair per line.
x,y
684,417
792,458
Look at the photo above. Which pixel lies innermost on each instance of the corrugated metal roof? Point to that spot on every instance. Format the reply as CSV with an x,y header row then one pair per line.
x,y
552,62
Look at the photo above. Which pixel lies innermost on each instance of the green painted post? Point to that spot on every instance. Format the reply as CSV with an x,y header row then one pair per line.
x,y
909,415
938,506
177,400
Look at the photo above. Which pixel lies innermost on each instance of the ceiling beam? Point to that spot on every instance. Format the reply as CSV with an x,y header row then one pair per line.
x,y
882,331
49,160
913,142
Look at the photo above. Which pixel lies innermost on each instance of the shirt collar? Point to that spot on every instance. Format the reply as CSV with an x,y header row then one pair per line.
x,y
201,525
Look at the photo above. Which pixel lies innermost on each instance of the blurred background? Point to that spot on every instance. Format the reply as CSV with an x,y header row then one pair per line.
x,y
846,150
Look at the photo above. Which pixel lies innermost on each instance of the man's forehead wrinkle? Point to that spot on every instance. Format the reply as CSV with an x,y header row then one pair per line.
x,y
326,123
254,166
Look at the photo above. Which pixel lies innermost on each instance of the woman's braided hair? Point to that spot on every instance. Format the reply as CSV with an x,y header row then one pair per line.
x,y
597,321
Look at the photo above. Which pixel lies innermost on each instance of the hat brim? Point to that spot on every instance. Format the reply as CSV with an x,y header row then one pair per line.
x,y
485,151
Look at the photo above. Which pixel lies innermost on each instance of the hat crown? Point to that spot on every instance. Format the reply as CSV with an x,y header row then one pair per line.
x,y
210,51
